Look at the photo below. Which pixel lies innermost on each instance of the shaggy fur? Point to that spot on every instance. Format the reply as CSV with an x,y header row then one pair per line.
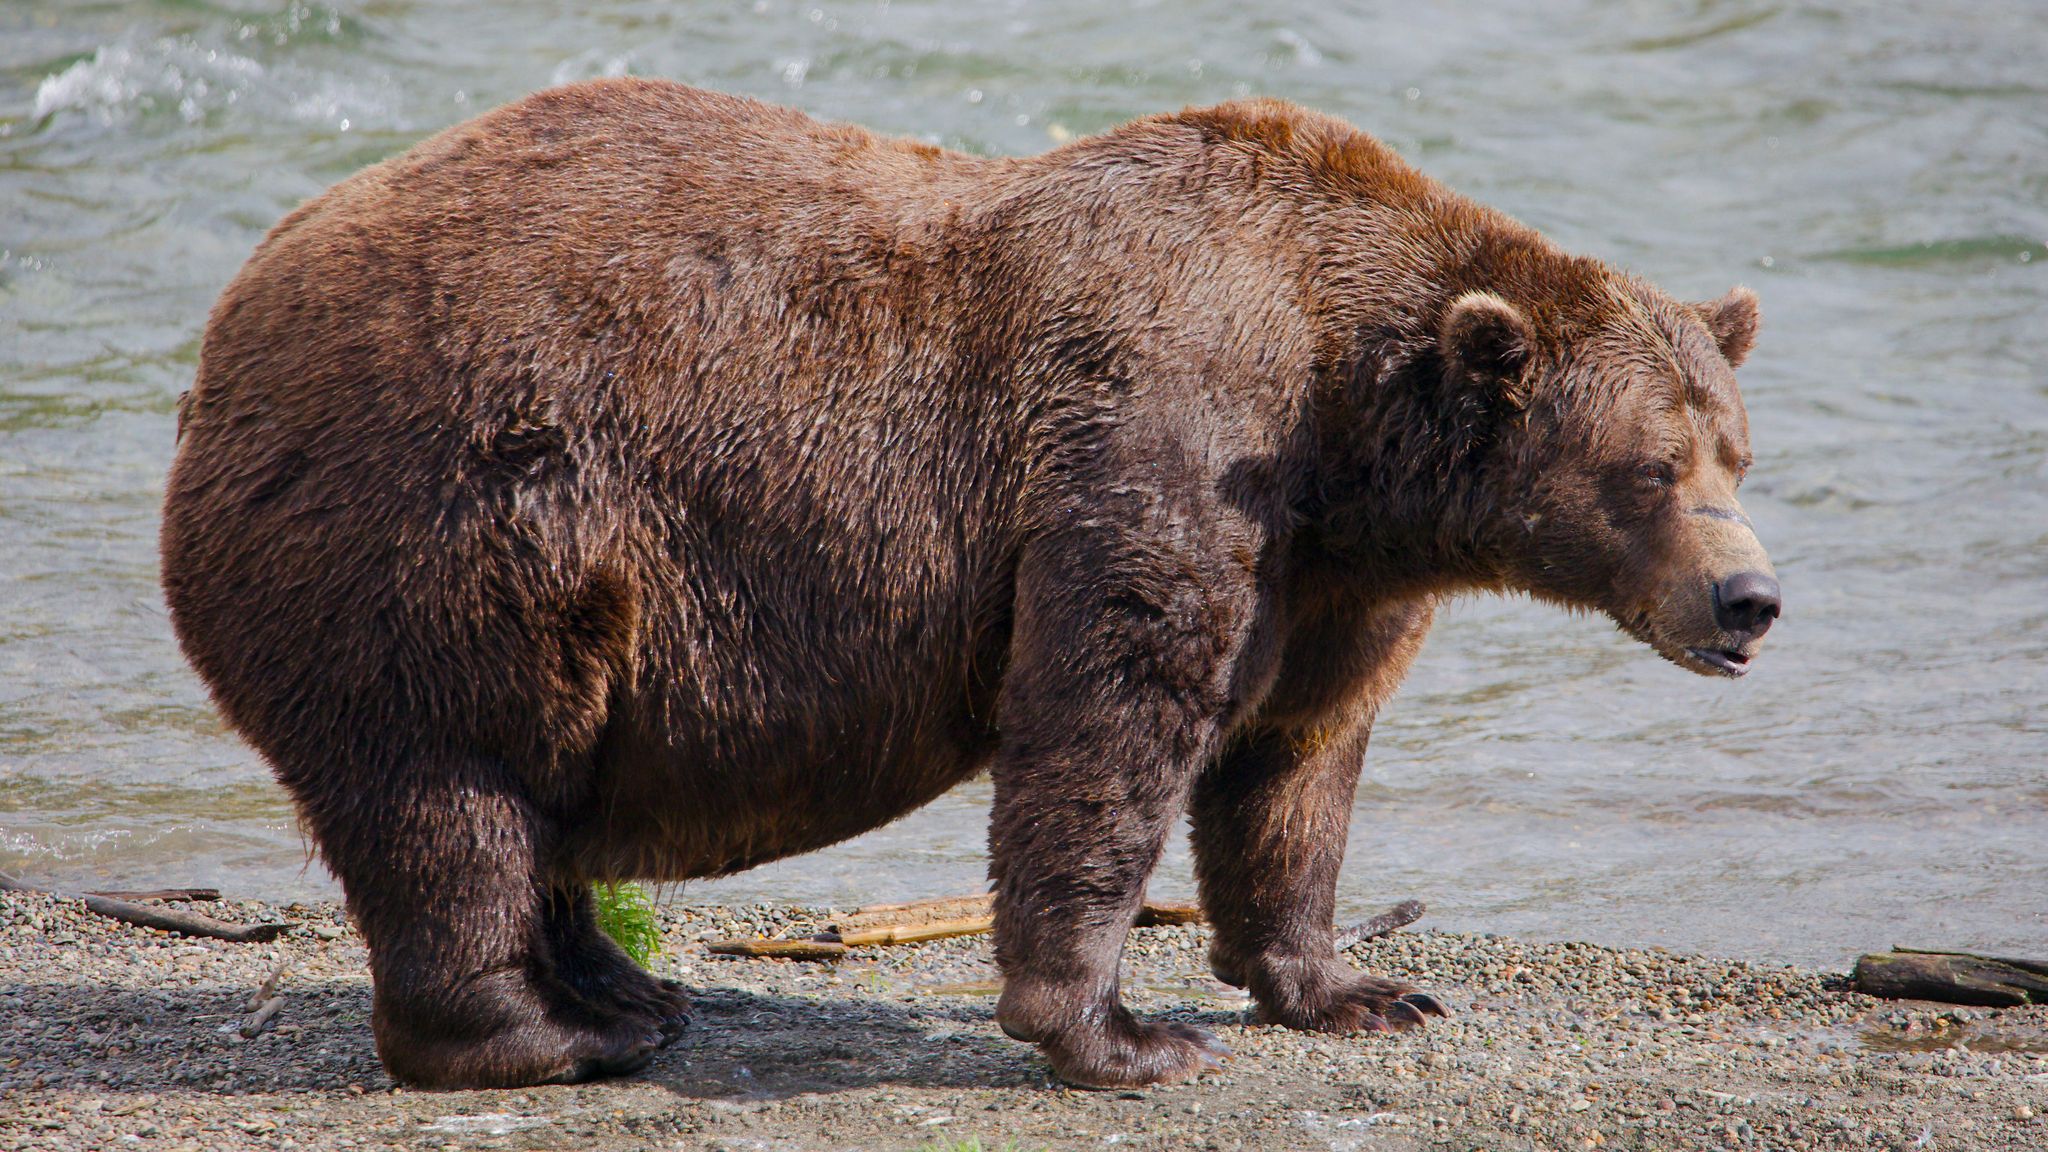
x,y
642,482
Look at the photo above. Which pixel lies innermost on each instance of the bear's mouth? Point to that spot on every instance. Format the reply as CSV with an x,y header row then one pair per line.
x,y
1726,661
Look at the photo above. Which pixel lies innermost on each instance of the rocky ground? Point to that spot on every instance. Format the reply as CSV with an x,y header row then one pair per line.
x,y
120,1037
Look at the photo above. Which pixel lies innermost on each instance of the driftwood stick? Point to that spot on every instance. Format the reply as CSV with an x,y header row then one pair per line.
x,y
1952,978
188,923
260,1019
916,912
167,919
882,924
268,989
195,895
1150,916
1399,916
960,909
2037,967
916,933
778,949
1165,915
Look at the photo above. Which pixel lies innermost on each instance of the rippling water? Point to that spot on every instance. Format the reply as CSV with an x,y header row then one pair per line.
x,y
1881,178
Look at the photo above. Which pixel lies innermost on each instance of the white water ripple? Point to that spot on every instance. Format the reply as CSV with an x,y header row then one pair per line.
x,y
123,82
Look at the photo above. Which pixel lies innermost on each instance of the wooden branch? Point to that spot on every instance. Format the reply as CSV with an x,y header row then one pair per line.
x,y
1952,978
778,949
917,933
2037,967
1165,915
947,909
195,895
1399,916
260,1019
916,912
166,919
951,909
268,989
882,924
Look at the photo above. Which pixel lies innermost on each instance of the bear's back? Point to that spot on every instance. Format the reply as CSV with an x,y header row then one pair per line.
x,y
601,221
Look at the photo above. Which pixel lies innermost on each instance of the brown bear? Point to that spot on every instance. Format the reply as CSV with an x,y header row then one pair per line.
x,y
638,481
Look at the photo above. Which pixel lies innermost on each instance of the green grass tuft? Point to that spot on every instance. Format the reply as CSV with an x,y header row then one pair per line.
x,y
627,916
969,1144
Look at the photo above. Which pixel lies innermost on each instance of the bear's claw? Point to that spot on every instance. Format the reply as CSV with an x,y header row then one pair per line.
x,y
672,1028
1428,1004
1402,1015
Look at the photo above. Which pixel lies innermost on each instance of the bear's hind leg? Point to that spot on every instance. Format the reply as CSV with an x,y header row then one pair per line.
x,y
597,969
443,878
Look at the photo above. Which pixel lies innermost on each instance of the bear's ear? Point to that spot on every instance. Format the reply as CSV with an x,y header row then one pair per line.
x,y
1732,319
1486,340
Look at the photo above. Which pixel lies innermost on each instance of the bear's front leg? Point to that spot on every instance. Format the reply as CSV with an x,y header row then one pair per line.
x,y
594,966
1111,699
1271,818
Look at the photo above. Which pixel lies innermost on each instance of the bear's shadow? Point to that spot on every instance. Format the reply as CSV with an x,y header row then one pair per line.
x,y
767,1046
740,1044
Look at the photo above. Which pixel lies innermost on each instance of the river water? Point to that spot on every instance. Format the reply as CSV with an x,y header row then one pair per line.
x,y
1879,173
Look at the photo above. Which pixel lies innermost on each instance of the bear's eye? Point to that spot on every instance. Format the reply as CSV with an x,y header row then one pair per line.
x,y
1659,474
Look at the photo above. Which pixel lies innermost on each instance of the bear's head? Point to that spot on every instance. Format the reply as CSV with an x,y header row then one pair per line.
x,y
1618,445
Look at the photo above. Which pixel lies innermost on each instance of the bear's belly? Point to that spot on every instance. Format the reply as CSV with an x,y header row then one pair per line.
x,y
657,816
790,697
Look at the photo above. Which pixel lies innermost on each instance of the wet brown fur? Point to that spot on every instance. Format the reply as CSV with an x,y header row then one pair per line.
x,y
638,481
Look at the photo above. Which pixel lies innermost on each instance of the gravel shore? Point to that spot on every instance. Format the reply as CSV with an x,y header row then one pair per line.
x,y
120,1037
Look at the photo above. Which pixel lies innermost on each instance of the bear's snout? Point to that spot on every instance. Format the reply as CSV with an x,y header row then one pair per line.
x,y
1746,603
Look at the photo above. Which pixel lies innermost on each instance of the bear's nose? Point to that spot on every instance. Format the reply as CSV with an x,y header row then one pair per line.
x,y
1746,602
